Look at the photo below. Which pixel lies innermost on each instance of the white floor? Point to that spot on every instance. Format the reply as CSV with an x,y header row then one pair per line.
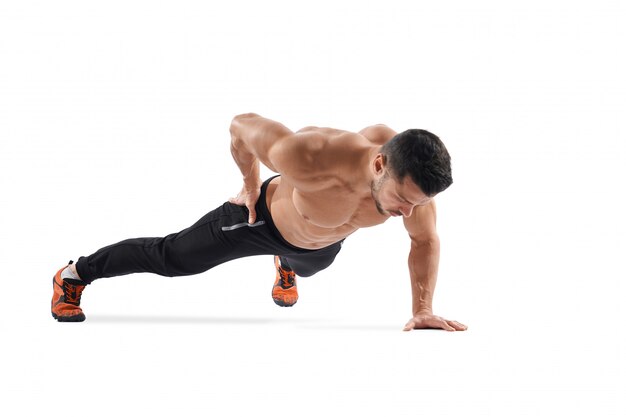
x,y
114,124
216,343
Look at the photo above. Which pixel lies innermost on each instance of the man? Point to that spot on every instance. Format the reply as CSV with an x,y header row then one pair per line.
x,y
331,183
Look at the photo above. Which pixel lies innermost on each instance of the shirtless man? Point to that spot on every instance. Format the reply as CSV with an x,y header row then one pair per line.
x,y
331,183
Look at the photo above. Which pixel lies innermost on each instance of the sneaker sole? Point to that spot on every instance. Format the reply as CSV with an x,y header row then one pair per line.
x,y
282,303
69,319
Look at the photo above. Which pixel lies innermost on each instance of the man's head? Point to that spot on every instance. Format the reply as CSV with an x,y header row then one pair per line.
x,y
413,167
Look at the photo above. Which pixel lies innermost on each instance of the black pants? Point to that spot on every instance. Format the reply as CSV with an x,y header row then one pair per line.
x,y
221,235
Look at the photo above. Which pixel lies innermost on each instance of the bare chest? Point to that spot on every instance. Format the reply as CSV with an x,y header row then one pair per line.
x,y
336,208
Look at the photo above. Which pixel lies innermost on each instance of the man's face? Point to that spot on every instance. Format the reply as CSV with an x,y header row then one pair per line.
x,y
395,198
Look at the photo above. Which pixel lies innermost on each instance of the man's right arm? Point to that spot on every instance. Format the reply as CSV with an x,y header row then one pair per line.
x,y
252,137
255,138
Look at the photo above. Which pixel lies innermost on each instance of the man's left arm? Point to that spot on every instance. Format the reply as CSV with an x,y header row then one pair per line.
x,y
423,269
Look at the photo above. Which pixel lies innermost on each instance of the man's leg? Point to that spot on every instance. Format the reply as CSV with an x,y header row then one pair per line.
x,y
308,264
285,290
196,249
218,237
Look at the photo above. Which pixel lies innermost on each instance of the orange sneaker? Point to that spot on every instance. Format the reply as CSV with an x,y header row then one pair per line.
x,y
66,298
285,291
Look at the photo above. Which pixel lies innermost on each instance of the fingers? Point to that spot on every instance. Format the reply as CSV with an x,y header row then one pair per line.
x,y
252,215
445,326
250,203
457,325
434,322
236,200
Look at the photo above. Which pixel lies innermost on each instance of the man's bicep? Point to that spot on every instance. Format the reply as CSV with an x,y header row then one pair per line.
x,y
422,223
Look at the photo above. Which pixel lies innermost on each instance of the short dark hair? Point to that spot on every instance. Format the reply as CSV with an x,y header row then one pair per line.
x,y
423,157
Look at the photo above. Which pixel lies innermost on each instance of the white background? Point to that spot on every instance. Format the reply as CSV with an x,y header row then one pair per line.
x,y
114,124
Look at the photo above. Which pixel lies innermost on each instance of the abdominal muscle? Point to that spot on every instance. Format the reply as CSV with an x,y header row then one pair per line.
x,y
296,229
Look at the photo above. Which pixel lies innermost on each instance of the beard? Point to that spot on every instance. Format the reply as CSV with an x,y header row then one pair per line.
x,y
376,186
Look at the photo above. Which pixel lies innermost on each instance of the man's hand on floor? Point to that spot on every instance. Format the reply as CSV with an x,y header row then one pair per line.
x,y
430,321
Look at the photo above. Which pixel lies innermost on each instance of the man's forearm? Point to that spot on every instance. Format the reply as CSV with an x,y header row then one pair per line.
x,y
423,269
247,162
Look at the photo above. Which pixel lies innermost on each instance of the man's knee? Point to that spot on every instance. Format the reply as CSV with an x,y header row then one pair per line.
x,y
305,271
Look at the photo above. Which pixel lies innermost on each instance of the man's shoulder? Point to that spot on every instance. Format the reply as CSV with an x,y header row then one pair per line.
x,y
314,158
378,134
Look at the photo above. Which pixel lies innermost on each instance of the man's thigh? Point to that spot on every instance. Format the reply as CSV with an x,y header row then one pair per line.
x,y
310,263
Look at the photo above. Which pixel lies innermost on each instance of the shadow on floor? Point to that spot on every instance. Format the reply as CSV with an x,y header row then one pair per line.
x,y
132,319
311,324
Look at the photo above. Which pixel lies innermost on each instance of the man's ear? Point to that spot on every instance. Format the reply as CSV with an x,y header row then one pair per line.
x,y
380,161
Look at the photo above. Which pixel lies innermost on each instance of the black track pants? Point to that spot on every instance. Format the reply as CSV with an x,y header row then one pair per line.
x,y
221,235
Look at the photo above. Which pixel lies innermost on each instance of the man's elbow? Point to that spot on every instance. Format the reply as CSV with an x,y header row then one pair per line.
x,y
243,116
240,119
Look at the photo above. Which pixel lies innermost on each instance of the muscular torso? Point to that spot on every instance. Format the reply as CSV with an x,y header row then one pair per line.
x,y
339,200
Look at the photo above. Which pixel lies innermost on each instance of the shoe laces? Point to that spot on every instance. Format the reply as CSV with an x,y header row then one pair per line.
x,y
287,278
72,293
